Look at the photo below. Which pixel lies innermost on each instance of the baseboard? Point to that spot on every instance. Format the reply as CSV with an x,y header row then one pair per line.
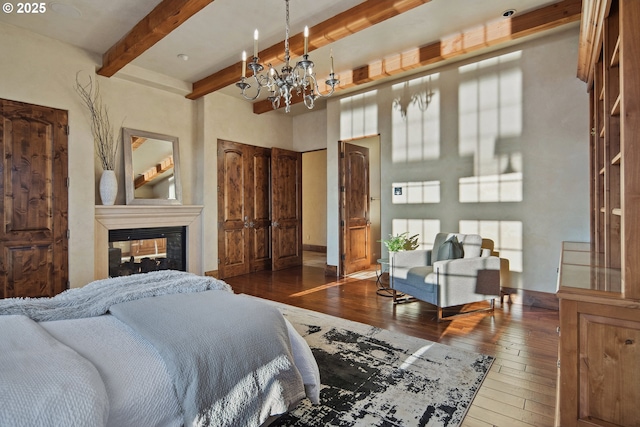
x,y
315,248
331,270
531,298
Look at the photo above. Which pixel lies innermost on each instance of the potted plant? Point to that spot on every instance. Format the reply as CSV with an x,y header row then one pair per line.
x,y
105,143
401,242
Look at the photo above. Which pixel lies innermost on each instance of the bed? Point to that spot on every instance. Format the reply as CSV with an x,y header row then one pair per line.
x,y
164,348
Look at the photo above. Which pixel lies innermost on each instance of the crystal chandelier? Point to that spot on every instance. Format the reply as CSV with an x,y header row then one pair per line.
x,y
300,79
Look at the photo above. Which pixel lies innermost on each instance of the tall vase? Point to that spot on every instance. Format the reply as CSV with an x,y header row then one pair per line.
x,y
108,187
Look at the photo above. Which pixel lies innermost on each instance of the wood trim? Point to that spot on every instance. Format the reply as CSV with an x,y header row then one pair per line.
x,y
315,248
331,270
531,298
471,41
344,24
164,18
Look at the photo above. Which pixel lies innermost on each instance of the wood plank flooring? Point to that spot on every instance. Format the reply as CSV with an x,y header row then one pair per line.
x,y
519,390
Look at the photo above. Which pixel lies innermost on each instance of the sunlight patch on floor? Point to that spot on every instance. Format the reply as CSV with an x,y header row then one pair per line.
x,y
316,289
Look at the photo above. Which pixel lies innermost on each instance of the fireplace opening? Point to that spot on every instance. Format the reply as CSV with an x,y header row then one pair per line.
x,y
141,250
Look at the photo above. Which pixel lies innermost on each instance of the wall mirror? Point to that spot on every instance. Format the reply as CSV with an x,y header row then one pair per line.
x,y
152,168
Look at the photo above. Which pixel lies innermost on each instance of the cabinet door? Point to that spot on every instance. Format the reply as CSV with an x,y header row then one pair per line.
x,y
609,370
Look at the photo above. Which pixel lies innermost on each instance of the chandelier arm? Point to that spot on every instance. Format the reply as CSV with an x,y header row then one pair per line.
x,y
243,90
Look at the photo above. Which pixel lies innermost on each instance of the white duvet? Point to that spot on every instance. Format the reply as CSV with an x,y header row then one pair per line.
x,y
96,371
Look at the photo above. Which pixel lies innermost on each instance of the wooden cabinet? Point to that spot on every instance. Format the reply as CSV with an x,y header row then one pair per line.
x,y
609,63
599,282
599,352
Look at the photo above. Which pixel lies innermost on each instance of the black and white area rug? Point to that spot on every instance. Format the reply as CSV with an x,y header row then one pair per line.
x,y
375,377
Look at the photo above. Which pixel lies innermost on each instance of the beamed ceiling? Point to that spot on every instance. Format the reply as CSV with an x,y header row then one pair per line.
x,y
371,40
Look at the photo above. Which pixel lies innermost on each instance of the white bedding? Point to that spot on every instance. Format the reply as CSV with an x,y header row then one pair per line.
x,y
119,363
135,377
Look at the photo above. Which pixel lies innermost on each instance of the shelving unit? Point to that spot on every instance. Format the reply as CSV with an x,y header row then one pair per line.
x,y
598,380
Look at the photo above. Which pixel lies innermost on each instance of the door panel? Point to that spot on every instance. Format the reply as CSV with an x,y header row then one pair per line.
x,y
34,200
286,184
356,211
260,223
233,241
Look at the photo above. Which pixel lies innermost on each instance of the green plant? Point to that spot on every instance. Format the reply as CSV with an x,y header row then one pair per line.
x,y
401,242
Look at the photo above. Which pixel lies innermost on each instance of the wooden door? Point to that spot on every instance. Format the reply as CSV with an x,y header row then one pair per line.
x,y
260,218
244,208
355,213
233,214
286,184
34,202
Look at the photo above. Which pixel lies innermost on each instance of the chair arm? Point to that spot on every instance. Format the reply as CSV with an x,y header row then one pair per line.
x,y
401,262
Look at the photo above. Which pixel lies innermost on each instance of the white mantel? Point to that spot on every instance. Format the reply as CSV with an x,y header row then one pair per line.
x,y
142,216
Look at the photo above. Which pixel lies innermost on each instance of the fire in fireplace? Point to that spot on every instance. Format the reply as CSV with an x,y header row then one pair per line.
x,y
141,250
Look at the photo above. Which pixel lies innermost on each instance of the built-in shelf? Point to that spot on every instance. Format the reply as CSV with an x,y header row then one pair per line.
x,y
602,171
615,56
602,94
616,159
603,210
616,211
602,132
615,110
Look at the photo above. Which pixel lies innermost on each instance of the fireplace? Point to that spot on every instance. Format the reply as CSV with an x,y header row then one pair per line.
x,y
142,250
117,217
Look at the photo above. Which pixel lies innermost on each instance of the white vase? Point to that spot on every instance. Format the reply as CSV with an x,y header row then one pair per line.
x,y
108,187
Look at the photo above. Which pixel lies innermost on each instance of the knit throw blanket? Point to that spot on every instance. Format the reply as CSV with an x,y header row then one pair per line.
x,y
95,298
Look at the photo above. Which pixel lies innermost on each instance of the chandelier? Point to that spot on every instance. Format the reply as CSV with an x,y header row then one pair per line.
x,y
300,79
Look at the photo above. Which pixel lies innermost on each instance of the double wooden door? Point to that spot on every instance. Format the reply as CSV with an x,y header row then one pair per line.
x,y
259,208
33,200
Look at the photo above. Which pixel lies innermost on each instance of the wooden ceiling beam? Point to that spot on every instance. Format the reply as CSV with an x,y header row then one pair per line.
x,y
164,18
457,45
358,18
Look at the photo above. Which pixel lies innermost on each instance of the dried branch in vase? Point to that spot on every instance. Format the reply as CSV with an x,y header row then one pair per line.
x,y
105,143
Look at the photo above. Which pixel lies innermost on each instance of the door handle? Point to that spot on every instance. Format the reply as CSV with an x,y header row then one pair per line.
x,y
275,224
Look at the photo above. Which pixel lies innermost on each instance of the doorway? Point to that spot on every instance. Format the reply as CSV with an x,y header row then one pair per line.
x,y
359,178
34,250
314,208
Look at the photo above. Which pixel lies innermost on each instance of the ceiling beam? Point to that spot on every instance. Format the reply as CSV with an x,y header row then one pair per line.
x,y
457,45
358,18
164,18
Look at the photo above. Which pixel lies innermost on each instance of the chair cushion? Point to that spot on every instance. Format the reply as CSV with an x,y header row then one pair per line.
x,y
450,249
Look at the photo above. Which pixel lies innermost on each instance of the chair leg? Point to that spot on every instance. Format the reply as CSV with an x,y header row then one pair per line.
x,y
439,314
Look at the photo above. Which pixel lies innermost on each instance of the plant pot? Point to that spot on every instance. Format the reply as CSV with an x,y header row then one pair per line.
x,y
108,187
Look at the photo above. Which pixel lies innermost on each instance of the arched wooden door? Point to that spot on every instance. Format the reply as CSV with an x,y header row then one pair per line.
x,y
34,202
355,213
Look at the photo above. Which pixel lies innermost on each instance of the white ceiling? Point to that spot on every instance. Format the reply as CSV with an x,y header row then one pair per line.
x,y
215,37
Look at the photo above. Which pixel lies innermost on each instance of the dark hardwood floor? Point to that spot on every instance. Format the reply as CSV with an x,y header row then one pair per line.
x,y
520,389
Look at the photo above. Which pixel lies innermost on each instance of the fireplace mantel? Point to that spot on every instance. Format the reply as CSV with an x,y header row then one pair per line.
x,y
140,216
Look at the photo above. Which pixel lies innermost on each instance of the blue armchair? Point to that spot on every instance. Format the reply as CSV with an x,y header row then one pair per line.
x,y
457,271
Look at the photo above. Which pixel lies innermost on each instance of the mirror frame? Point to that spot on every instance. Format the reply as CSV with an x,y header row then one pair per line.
x,y
127,133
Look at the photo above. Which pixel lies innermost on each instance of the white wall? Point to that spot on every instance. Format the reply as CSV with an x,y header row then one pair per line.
x,y
451,163
42,71
553,140
224,117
